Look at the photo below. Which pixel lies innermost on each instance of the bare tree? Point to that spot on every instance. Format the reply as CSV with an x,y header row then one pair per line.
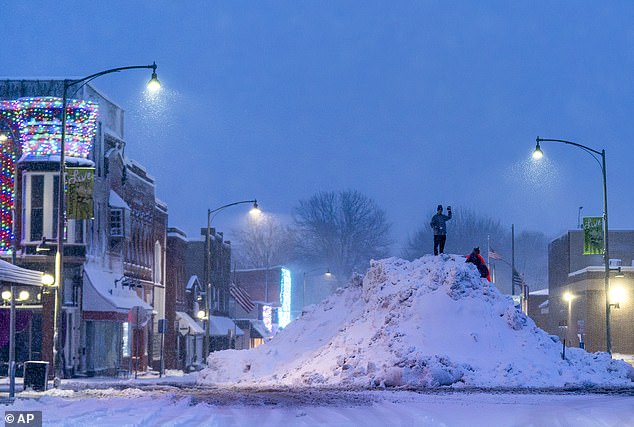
x,y
265,242
342,231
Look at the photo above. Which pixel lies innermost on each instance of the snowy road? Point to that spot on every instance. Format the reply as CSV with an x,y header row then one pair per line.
x,y
173,405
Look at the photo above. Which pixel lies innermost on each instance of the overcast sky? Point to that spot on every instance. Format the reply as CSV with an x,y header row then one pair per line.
x,y
412,103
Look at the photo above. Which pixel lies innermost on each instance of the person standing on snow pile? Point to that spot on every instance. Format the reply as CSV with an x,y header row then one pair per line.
x,y
475,258
439,227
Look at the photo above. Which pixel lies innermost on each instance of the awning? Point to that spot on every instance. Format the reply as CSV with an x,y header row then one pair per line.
x,y
220,326
115,201
101,294
13,274
187,325
259,328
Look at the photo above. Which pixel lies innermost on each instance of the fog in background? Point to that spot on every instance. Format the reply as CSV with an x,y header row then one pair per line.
x,y
412,104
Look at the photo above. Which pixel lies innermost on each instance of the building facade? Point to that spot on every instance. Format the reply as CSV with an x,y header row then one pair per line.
x,y
271,291
576,294
114,260
209,260
184,298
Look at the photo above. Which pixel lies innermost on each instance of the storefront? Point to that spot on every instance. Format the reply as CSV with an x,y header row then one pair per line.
x,y
189,342
115,323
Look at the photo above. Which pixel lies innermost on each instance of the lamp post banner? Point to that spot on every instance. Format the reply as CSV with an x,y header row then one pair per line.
x,y
592,235
79,188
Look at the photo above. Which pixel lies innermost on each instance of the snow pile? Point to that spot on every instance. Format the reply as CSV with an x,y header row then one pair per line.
x,y
426,323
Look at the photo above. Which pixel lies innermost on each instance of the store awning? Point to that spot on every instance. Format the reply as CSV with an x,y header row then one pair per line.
x,y
13,274
187,325
115,201
220,326
102,294
258,328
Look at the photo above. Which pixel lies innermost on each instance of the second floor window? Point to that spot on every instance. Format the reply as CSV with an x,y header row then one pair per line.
x,y
117,222
37,207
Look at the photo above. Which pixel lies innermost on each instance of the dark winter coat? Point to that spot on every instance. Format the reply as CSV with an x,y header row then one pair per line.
x,y
439,224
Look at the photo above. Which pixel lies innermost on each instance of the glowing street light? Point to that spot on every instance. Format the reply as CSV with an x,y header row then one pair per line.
x,y
599,156
255,211
153,85
618,295
538,153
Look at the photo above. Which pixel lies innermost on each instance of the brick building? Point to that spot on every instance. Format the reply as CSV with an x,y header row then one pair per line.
x,y
113,289
184,298
582,318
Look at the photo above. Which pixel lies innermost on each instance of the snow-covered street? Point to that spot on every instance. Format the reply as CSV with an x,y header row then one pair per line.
x,y
306,407
372,355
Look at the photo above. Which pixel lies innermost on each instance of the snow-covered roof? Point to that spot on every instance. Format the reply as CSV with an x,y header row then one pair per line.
x,y
193,281
260,328
220,326
187,325
116,201
176,232
597,269
54,158
101,293
13,274
539,292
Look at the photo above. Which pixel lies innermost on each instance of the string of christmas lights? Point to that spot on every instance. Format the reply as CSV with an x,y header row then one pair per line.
x,y
7,162
37,122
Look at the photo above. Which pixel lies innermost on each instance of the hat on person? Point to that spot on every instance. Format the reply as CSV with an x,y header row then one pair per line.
x,y
439,208
476,250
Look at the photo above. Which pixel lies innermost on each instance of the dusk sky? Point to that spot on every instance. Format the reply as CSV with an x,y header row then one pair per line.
x,y
412,103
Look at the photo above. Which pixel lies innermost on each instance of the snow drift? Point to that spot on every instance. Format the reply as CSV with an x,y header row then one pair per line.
x,y
426,323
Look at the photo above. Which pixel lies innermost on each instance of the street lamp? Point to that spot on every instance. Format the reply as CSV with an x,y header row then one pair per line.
x,y
23,295
255,210
617,296
152,85
538,154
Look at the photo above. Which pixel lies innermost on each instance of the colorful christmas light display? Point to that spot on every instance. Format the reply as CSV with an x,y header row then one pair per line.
x,y
284,312
37,122
7,162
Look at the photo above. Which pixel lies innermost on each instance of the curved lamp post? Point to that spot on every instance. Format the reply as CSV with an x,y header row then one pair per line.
x,y
538,154
211,213
152,85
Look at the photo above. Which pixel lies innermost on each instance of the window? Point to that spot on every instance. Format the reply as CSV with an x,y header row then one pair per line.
x,y
37,207
158,264
40,209
55,205
117,222
125,344
79,231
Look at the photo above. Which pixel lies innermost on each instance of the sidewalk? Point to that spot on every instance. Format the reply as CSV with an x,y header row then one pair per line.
x,y
171,377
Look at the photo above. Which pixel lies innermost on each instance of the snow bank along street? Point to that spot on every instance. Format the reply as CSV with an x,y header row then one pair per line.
x,y
431,324
426,323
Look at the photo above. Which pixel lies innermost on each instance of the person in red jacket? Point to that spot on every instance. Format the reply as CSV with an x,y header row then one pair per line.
x,y
475,258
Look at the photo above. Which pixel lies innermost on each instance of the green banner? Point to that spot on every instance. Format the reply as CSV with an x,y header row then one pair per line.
x,y
592,235
79,183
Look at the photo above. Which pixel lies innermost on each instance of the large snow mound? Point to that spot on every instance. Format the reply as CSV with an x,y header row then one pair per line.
x,y
426,323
